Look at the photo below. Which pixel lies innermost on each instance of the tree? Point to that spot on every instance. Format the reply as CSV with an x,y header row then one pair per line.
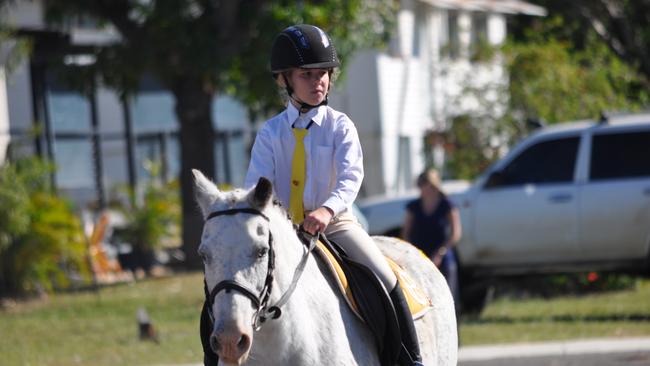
x,y
549,80
624,25
199,48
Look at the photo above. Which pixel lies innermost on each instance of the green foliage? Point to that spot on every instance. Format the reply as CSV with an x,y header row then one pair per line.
x,y
482,51
550,80
15,50
468,155
353,25
42,245
622,25
155,218
223,44
556,285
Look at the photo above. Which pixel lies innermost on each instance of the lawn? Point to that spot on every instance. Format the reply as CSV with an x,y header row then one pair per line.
x,y
623,313
100,328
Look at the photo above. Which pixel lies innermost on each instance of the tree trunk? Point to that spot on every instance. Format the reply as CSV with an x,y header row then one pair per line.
x,y
193,109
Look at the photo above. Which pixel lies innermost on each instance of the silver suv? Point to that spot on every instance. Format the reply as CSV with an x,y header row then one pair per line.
x,y
572,197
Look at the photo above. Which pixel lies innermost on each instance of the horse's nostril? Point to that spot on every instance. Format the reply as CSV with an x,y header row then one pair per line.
x,y
214,343
244,342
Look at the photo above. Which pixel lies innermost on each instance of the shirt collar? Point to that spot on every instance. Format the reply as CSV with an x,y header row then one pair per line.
x,y
314,114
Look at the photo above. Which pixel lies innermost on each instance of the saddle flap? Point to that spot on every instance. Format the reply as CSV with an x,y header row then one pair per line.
x,y
376,309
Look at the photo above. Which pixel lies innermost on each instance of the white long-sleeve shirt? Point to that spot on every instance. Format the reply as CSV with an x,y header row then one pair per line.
x,y
334,161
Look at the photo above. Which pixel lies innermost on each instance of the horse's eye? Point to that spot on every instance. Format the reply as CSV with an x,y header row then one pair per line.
x,y
261,252
202,255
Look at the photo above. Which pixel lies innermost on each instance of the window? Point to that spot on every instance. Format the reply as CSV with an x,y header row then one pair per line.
x,y
419,28
451,42
480,48
621,155
479,28
543,163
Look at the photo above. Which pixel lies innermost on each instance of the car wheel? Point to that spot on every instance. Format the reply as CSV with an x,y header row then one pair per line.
x,y
475,294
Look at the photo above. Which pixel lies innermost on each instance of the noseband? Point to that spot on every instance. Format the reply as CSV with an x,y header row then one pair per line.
x,y
260,302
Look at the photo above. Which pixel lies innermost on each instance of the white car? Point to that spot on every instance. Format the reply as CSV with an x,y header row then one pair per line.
x,y
385,214
572,197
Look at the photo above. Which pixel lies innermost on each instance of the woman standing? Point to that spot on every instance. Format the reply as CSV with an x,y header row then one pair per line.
x,y
432,223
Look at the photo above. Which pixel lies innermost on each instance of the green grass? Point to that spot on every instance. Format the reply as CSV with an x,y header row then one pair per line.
x,y
624,313
100,328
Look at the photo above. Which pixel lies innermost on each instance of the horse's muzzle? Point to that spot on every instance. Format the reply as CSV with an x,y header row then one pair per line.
x,y
232,346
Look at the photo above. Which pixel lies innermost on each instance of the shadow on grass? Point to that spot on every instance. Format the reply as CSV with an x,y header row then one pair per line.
x,y
559,319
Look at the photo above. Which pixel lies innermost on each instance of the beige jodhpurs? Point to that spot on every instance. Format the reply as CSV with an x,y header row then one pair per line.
x,y
346,231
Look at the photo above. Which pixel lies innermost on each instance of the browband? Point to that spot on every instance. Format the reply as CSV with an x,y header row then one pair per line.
x,y
234,211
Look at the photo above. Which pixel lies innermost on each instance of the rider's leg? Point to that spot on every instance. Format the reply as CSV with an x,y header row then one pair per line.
x,y
346,232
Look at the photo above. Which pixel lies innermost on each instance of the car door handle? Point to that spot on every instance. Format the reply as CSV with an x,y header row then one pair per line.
x,y
646,191
560,197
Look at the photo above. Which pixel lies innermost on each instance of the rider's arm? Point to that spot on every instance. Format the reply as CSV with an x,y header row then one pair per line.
x,y
262,163
348,162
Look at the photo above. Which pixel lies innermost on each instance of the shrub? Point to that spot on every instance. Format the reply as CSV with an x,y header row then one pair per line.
x,y
42,245
153,221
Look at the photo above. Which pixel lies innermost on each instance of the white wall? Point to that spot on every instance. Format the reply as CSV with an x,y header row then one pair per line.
x,y
357,95
399,94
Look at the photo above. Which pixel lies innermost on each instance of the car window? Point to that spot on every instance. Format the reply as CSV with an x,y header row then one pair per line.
x,y
545,162
620,155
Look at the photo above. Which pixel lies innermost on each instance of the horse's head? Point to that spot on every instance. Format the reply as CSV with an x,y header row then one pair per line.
x,y
237,252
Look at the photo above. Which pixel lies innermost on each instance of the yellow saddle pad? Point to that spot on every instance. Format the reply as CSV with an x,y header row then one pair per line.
x,y
418,301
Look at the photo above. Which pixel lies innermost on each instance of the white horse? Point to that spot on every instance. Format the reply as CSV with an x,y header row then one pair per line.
x,y
243,233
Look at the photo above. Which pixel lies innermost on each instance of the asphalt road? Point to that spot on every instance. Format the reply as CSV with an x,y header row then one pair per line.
x,y
597,352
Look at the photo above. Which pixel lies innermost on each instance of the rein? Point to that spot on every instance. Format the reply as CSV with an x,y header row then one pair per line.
x,y
263,310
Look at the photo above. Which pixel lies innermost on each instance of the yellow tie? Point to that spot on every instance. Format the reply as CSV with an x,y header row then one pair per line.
x,y
296,208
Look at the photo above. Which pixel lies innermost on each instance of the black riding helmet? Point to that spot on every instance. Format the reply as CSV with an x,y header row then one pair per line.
x,y
302,46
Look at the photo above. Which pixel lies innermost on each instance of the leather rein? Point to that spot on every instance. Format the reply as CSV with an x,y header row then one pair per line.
x,y
260,302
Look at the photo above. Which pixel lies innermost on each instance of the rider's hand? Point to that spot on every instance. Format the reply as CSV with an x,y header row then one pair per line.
x,y
317,220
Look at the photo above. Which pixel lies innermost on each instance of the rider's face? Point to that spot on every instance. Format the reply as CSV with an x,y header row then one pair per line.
x,y
309,85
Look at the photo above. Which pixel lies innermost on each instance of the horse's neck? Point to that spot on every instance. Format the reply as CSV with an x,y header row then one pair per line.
x,y
315,324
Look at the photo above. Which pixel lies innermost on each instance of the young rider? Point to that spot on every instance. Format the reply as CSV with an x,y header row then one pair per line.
x,y
312,155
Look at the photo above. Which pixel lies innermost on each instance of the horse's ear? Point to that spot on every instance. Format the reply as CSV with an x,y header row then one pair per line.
x,y
262,193
205,192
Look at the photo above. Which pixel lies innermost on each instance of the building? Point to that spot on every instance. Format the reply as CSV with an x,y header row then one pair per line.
x,y
99,142
398,96
395,96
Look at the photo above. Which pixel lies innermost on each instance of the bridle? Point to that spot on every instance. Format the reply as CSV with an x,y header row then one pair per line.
x,y
260,302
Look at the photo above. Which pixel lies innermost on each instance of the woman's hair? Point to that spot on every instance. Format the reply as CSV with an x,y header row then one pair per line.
x,y
432,178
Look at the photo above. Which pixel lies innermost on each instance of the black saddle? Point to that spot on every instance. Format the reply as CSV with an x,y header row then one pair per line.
x,y
373,302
